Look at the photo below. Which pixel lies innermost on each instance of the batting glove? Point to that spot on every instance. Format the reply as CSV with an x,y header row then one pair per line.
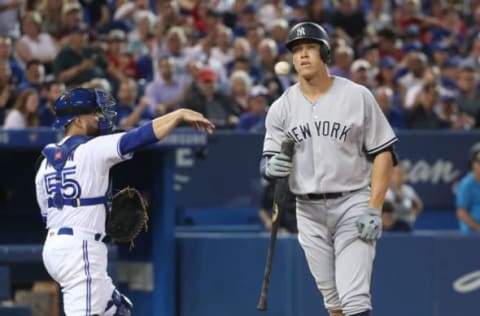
x,y
279,166
370,225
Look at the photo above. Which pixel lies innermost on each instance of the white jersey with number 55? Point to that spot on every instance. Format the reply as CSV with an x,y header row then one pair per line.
x,y
86,174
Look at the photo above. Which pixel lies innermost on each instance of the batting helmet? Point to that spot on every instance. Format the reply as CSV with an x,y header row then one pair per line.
x,y
85,101
310,31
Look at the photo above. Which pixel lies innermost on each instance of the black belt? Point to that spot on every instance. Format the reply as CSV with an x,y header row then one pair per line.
x,y
324,196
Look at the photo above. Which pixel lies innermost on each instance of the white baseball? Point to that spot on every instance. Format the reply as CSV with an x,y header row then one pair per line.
x,y
282,68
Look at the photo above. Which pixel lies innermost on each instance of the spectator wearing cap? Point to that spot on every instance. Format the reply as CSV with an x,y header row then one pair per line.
x,y
468,95
386,78
166,93
240,85
440,52
395,116
411,37
120,61
77,62
247,16
468,191
450,113
342,61
35,44
72,15
254,119
359,72
449,75
215,106
131,113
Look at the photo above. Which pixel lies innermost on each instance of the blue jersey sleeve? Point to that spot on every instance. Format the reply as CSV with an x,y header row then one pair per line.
x,y
137,138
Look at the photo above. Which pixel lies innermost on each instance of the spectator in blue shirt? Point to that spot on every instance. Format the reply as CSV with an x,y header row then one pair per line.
x,y
254,119
468,195
384,97
129,112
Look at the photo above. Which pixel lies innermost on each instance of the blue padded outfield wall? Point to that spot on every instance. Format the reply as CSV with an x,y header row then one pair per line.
x,y
214,268
427,274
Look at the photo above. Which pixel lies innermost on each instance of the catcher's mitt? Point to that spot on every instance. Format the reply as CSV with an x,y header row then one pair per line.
x,y
128,215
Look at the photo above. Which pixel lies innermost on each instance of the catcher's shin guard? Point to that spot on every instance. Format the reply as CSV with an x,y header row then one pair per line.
x,y
118,305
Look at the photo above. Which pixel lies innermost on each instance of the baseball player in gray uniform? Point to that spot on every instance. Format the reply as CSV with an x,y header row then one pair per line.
x,y
339,172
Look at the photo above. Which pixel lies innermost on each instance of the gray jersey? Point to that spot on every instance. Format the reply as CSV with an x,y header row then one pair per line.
x,y
333,136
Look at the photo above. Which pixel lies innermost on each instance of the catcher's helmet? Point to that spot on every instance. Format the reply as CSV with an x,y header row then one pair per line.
x,y
85,101
313,32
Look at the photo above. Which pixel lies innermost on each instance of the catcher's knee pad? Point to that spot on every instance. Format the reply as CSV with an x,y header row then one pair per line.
x,y
118,305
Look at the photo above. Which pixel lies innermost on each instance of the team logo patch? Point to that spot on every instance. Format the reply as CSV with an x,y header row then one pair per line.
x,y
301,32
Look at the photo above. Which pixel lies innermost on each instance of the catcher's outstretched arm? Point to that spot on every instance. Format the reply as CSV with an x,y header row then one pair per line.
x,y
160,127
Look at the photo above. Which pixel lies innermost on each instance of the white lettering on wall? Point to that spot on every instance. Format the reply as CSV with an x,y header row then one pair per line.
x,y
440,171
468,282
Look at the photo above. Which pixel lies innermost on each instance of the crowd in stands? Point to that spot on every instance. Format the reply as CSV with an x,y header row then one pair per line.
x,y
419,58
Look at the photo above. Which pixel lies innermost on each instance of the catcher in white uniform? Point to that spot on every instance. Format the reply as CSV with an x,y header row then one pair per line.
x,y
72,187
340,170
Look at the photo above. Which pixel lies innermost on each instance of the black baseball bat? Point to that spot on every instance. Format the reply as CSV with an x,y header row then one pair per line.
x,y
281,188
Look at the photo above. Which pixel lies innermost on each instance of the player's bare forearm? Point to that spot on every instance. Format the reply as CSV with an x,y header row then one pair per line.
x,y
163,125
381,172
465,217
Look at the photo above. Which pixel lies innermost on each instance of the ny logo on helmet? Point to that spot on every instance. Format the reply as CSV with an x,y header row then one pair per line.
x,y
301,32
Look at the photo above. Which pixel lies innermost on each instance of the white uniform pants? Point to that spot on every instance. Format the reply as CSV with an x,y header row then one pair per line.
x,y
79,264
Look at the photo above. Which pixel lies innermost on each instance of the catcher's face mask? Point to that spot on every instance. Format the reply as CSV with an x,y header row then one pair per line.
x,y
106,115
